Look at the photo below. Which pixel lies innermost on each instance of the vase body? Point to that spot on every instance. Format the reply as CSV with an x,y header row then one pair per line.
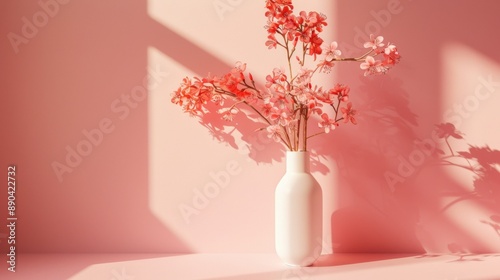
x,y
298,213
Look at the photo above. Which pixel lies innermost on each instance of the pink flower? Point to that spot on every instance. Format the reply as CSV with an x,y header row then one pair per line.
x,y
315,45
326,123
325,66
332,52
349,114
278,8
276,79
375,42
314,20
280,116
313,106
304,77
274,132
391,56
324,96
372,66
301,94
239,67
389,49
271,43
192,95
277,100
342,91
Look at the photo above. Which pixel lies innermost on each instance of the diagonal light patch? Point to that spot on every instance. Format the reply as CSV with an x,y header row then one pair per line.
x,y
228,40
171,162
180,159
471,93
188,169
183,158
195,183
470,98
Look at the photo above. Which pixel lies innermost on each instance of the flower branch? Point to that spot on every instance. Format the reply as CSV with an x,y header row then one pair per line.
x,y
288,103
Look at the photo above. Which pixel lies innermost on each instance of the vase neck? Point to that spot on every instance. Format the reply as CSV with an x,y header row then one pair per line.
x,y
297,161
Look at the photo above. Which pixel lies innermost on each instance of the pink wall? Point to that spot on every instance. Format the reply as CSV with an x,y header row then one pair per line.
x,y
84,70
431,206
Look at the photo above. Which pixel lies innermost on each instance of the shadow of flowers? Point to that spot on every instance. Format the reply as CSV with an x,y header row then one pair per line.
x,y
376,219
483,162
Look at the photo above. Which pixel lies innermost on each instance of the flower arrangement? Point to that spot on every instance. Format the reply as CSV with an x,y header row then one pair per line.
x,y
289,101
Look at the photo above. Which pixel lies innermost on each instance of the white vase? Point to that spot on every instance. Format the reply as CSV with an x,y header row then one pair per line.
x,y
298,213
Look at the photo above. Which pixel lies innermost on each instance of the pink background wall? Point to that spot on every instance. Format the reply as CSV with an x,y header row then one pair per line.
x,y
83,70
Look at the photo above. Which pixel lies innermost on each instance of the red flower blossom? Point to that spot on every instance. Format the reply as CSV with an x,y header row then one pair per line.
x,y
290,98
